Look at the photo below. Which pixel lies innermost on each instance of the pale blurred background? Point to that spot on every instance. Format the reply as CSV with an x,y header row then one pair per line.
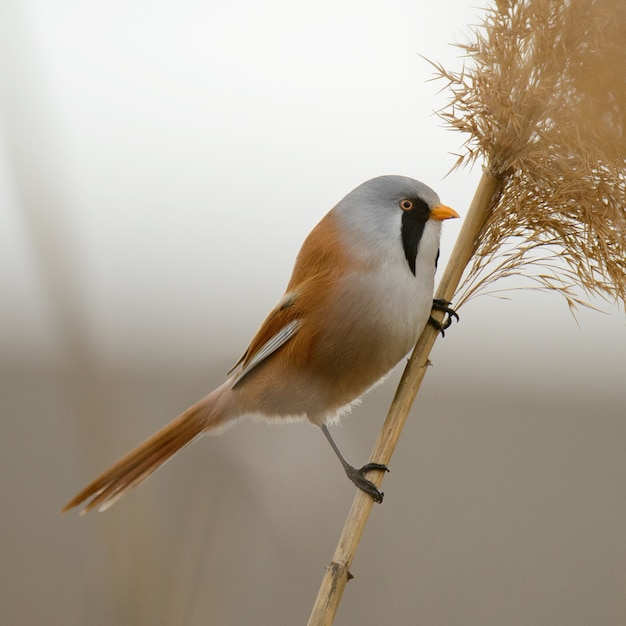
x,y
160,164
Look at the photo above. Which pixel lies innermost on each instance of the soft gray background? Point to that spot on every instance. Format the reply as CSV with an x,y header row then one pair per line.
x,y
160,164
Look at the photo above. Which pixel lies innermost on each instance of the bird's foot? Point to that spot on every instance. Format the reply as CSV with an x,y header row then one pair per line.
x,y
439,304
357,476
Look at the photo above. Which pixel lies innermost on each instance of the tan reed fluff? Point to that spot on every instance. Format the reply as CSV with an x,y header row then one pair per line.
x,y
543,100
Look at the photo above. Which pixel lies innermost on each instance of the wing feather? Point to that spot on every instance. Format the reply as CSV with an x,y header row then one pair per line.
x,y
268,348
321,260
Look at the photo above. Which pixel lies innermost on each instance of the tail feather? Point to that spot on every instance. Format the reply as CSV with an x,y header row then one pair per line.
x,y
146,458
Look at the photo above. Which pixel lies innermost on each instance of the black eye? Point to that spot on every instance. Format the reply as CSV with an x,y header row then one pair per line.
x,y
406,205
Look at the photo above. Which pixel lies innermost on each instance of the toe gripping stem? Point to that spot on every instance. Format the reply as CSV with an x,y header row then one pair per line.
x,y
439,304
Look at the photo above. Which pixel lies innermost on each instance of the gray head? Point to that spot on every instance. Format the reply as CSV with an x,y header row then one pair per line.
x,y
391,188
388,211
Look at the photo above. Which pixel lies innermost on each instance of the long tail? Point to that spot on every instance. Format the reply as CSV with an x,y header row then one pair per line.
x,y
146,458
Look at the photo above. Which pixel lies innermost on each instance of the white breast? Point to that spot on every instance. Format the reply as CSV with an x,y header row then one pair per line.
x,y
406,299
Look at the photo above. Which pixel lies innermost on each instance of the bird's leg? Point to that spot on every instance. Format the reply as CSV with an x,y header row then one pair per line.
x,y
439,304
357,476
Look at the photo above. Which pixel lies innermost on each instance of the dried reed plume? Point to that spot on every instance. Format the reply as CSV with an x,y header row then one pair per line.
x,y
543,101
544,105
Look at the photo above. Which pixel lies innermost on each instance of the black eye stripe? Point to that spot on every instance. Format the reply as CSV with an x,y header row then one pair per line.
x,y
413,222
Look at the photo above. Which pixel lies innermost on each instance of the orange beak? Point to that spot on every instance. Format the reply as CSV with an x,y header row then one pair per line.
x,y
442,212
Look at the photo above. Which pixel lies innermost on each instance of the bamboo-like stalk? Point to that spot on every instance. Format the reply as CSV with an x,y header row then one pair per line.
x,y
338,572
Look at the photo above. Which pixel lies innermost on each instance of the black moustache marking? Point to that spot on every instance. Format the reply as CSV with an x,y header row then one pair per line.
x,y
413,223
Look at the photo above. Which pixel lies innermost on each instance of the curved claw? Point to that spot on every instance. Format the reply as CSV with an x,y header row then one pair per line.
x,y
439,304
357,476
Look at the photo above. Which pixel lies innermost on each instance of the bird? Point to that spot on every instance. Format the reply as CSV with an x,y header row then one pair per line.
x,y
360,294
